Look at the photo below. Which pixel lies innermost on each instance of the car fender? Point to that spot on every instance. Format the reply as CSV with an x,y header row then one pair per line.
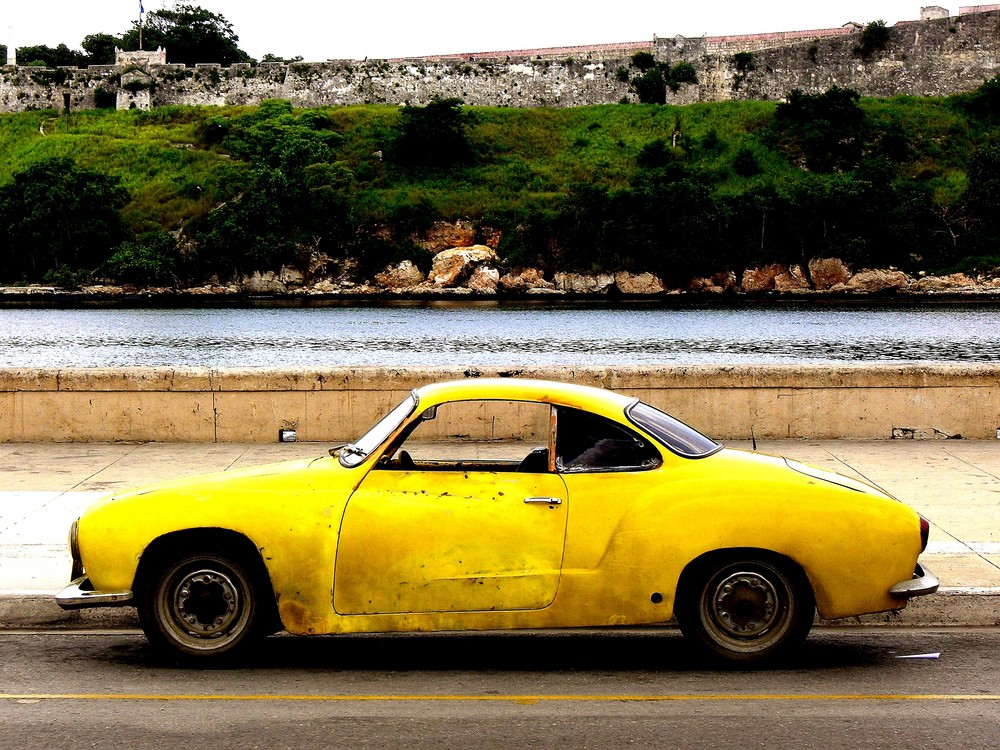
x,y
852,547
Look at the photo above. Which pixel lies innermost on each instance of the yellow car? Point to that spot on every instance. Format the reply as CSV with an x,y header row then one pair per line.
x,y
497,504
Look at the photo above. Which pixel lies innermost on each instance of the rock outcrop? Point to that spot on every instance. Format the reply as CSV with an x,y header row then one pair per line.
x,y
400,278
484,280
448,234
870,281
826,273
584,283
452,266
635,284
521,280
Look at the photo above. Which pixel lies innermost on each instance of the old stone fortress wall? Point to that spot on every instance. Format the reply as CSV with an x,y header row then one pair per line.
x,y
937,55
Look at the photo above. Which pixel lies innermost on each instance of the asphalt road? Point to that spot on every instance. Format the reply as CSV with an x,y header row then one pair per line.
x,y
845,689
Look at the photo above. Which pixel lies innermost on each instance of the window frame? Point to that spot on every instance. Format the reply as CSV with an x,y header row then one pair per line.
x,y
632,468
663,439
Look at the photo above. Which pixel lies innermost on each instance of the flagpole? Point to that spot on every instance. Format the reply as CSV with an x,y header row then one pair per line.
x,y
141,11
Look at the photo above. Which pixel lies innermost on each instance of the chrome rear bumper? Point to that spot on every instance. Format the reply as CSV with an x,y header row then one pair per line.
x,y
923,582
80,594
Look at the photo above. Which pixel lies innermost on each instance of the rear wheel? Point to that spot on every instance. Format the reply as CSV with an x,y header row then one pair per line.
x,y
201,605
746,610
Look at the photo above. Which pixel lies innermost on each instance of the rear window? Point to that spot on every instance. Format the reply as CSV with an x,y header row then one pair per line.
x,y
677,436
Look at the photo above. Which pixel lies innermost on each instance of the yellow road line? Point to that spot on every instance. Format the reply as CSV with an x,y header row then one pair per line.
x,y
502,698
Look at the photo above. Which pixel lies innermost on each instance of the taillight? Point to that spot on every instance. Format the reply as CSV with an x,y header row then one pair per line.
x,y
925,532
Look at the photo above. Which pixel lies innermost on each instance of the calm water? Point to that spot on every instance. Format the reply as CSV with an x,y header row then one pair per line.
x,y
496,334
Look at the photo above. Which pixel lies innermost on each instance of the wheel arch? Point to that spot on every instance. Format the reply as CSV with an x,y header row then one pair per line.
x,y
209,539
690,573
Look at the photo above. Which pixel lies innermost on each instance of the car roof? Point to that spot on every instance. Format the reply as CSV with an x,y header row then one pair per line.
x,y
524,389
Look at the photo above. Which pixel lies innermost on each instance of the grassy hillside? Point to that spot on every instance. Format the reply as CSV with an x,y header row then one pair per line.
x,y
679,190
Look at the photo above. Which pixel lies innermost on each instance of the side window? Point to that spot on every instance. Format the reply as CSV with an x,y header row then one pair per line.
x,y
483,435
588,442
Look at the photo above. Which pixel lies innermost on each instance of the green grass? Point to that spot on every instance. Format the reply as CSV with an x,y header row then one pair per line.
x,y
524,158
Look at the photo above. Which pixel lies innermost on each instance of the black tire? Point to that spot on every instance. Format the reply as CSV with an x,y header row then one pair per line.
x,y
202,606
745,610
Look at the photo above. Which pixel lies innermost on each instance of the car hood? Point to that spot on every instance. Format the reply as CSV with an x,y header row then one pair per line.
x,y
301,474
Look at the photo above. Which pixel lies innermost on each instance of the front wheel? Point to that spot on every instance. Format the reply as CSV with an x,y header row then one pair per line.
x,y
746,610
201,605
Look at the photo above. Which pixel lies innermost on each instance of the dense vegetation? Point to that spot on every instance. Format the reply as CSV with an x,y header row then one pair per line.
x,y
181,193
189,33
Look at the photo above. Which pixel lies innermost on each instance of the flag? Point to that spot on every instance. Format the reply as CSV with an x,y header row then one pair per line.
x,y
141,9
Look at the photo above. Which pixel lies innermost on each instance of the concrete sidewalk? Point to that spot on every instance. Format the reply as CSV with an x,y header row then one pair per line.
x,y
44,486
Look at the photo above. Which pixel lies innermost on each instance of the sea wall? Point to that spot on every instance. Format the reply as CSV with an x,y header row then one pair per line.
x,y
214,405
929,57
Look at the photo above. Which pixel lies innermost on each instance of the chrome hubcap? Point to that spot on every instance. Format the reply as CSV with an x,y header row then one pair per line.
x,y
744,605
206,602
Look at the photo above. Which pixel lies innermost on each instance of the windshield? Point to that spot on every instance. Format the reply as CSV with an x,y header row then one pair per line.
x,y
677,436
355,453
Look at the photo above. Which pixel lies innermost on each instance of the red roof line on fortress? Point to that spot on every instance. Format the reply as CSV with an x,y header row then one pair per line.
x,y
780,35
634,46
546,51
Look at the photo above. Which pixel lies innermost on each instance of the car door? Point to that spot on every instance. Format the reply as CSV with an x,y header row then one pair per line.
x,y
608,469
451,537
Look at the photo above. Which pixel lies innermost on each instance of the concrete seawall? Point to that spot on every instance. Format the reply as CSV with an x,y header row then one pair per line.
x,y
215,405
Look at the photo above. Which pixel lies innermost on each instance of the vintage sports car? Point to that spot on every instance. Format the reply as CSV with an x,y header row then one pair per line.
x,y
490,504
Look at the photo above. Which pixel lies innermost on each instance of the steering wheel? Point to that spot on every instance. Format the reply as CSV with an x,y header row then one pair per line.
x,y
405,460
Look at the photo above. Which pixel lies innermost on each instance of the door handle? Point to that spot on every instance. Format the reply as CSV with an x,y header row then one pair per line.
x,y
544,500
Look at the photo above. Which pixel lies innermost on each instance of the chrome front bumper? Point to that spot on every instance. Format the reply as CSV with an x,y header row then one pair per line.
x,y
923,582
80,594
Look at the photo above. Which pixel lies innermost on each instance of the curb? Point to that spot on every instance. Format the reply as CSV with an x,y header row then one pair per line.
x,y
949,607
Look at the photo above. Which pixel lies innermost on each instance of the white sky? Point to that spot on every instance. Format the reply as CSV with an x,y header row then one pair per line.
x,y
345,29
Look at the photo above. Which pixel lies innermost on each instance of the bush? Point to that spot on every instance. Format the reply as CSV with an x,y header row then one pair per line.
x,y
651,87
825,130
874,38
433,136
745,163
743,62
64,277
683,72
984,102
105,99
150,259
643,61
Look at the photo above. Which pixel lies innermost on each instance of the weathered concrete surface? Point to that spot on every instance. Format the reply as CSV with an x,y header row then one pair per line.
x,y
233,405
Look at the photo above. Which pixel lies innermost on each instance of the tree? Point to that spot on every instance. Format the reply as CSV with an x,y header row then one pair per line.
x,y
825,130
254,231
270,57
100,48
874,38
151,258
190,35
51,57
56,214
983,102
651,87
643,60
983,195
433,136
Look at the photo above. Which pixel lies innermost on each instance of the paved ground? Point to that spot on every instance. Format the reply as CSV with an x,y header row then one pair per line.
x,y
43,487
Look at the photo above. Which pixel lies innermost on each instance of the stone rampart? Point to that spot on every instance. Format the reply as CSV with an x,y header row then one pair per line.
x,y
935,56
209,405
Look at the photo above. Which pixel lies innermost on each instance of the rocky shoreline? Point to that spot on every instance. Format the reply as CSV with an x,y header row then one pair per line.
x,y
475,272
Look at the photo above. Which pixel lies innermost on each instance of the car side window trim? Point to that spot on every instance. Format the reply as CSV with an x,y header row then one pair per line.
x,y
679,438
